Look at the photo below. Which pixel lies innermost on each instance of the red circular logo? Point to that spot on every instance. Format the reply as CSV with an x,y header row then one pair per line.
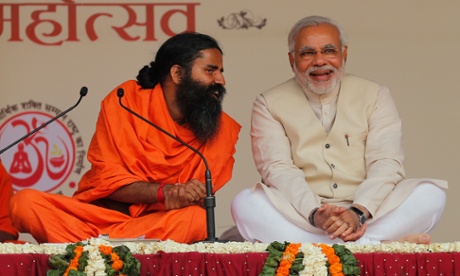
x,y
42,161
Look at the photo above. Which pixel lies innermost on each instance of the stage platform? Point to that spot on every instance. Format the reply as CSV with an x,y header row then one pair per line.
x,y
248,264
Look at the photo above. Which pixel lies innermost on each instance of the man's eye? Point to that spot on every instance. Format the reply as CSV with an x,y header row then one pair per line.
x,y
329,51
307,53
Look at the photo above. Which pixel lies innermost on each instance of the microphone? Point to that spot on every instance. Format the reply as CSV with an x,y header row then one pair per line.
x,y
83,92
209,200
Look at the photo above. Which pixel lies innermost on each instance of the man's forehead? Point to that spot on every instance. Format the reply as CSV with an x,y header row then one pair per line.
x,y
323,35
210,58
209,53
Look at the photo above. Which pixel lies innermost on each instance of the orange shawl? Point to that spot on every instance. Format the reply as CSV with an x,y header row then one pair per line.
x,y
125,149
6,191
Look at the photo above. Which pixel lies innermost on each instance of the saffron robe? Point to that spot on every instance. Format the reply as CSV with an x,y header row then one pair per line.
x,y
123,150
6,191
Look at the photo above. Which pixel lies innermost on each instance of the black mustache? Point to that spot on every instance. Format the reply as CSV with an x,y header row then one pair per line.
x,y
219,88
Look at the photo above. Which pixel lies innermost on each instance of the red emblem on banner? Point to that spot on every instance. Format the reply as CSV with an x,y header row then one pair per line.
x,y
44,160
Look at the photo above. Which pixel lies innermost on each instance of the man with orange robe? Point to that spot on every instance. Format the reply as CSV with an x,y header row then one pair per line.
x,y
143,183
7,232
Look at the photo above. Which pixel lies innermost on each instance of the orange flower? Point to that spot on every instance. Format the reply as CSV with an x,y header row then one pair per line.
x,y
327,250
117,264
333,259
106,250
282,270
114,256
74,262
335,267
287,259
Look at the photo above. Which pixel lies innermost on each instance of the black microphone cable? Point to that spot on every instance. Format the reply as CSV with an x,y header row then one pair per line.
x,y
83,92
209,200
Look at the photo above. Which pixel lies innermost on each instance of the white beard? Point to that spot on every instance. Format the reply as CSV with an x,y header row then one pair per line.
x,y
322,87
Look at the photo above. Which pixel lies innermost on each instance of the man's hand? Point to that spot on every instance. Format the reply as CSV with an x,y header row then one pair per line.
x,y
183,195
328,218
325,212
339,222
355,235
346,226
355,221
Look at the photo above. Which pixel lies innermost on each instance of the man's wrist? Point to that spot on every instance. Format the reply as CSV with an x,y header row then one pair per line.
x,y
160,193
360,214
311,217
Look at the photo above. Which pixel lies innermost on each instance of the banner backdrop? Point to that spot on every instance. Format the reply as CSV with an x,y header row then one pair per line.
x,y
50,49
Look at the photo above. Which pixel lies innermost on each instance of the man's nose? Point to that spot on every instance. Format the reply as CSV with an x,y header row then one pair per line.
x,y
220,79
319,59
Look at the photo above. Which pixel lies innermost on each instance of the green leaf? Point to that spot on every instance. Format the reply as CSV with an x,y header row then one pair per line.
x,y
347,259
83,261
297,267
272,262
53,272
69,251
58,262
268,271
74,272
121,250
277,246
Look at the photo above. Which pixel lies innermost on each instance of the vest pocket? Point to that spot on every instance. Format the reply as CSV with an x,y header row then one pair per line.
x,y
356,139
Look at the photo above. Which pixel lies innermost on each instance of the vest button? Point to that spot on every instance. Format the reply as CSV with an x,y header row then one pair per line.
x,y
327,146
333,166
335,186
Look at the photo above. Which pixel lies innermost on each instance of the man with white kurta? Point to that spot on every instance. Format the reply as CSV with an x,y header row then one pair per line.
x,y
328,147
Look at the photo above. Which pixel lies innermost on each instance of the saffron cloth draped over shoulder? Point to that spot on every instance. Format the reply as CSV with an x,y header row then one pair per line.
x,y
125,149
6,191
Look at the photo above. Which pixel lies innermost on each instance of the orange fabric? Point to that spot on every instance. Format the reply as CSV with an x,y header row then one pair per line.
x,y
125,149
58,218
6,191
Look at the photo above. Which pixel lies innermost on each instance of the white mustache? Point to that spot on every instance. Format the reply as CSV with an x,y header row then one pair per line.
x,y
320,68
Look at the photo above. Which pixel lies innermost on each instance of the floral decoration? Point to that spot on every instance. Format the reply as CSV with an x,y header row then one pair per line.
x,y
94,259
72,262
286,259
310,259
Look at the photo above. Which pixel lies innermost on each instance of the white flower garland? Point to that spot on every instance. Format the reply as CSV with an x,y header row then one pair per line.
x,y
96,264
229,247
314,260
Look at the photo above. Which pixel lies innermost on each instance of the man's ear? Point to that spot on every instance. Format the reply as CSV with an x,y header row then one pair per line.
x,y
345,53
291,59
176,73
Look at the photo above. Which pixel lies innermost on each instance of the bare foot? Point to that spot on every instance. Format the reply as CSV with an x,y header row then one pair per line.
x,y
416,238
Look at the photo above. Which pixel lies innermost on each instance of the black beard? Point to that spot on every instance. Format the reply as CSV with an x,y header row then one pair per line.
x,y
201,107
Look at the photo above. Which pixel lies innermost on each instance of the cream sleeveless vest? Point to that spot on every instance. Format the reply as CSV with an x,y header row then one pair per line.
x,y
333,163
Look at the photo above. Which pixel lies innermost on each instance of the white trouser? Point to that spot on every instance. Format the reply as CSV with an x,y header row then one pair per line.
x,y
258,220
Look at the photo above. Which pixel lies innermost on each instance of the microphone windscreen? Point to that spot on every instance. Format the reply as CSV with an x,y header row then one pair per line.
x,y
120,92
83,91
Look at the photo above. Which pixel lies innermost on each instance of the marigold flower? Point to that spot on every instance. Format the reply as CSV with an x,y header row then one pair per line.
x,y
287,259
106,250
335,267
74,262
117,265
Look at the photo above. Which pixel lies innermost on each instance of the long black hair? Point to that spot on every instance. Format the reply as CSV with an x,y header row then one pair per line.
x,y
181,49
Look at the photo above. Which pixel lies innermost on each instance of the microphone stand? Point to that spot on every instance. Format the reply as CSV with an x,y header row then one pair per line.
x,y
209,200
83,92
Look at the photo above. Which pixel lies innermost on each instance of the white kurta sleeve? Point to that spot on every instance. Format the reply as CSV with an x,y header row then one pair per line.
x,y
272,156
384,153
